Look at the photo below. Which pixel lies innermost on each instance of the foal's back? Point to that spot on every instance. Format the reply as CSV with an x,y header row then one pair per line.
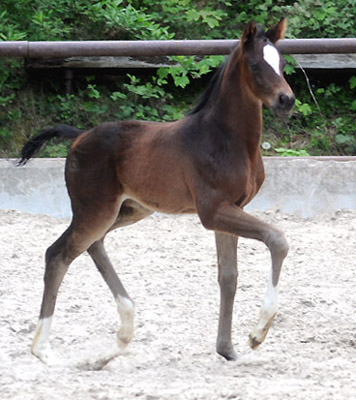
x,y
143,161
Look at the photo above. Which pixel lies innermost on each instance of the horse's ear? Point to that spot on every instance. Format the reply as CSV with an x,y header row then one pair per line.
x,y
249,33
277,31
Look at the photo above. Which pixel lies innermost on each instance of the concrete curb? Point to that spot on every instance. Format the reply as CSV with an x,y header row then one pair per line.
x,y
301,186
38,187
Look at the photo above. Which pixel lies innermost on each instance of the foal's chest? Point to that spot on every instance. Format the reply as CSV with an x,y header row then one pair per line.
x,y
253,178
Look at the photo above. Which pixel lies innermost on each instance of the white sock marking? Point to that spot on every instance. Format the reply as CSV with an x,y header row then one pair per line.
x,y
40,345
271,56
271,298
269,306
42,331
126,310
268,310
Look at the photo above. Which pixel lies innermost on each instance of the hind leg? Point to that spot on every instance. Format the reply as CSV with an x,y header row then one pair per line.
x,y
74,241
125,305
130,213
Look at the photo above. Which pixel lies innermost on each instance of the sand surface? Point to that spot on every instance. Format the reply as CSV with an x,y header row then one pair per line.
x,y
168,266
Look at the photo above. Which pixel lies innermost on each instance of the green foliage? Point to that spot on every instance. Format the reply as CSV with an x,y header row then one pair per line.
x,y
187,68
303,108
353,82
124,21
282,151
26,105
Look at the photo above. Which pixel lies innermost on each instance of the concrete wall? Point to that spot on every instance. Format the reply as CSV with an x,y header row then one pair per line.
x,y
38,187
304,187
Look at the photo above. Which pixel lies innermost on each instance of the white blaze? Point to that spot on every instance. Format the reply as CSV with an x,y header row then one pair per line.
x,y
271,56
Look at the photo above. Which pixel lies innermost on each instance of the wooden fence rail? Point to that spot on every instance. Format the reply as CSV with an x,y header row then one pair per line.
x,y
162,47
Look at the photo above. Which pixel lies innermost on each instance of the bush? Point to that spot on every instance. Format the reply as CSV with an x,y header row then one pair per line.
x,y
27,104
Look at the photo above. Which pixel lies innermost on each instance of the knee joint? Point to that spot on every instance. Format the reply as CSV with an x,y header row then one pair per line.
x,y
277,243
228,279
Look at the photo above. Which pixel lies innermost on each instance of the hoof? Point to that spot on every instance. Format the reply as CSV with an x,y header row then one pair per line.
x,y
123,339
253,342
122,344
227,352
230,357
46,355
258,335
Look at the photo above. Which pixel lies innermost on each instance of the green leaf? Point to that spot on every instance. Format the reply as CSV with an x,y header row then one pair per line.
x,y
192,15
93,92
289,67
211,21
303,108
118,95
353,82
181,81
291,152
342,139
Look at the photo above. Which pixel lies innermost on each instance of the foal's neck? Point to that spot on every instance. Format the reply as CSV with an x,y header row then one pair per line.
x,y
240,109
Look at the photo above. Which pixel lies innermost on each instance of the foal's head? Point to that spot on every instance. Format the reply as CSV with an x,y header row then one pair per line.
x,y
263,67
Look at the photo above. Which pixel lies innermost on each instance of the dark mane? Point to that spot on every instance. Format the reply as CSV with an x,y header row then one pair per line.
x,y
216,79
211,89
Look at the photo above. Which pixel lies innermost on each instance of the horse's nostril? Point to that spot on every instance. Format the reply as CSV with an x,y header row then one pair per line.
x,y
283,99
286,101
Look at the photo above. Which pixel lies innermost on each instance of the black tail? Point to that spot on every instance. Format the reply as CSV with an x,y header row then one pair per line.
x,y
36,142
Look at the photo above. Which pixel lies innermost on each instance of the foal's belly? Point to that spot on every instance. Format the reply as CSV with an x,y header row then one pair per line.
x,y
163,202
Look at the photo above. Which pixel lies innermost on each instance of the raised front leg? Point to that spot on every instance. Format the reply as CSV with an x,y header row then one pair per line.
x,y
226,246
268,311
233,220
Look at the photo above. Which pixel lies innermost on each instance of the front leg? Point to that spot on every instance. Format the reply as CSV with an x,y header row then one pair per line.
x,y
226,246
231,219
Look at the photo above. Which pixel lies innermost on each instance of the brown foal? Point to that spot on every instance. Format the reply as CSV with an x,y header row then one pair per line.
x,y
207,163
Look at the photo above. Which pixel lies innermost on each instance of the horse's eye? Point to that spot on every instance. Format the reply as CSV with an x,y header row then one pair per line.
x,y
253,67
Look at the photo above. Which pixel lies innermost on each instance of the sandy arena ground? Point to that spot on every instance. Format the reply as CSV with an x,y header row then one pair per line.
x,y
168,265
